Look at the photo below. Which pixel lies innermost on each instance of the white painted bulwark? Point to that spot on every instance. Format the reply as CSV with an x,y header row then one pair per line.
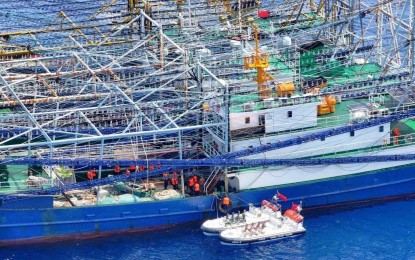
x,y
291,117
266,177
244,120
363,138
278,118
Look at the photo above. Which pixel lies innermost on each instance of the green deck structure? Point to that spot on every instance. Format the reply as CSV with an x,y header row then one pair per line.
x,y
16,175
411,123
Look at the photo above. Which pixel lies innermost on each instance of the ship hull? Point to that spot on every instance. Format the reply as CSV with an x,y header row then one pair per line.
x,y
31,219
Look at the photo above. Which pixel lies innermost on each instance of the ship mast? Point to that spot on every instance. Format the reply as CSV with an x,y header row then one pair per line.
x,y
259,61
240,16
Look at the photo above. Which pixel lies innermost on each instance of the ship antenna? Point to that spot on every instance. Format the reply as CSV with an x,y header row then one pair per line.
x,y
240,16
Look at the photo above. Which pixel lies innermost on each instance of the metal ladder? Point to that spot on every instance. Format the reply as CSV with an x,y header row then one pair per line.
x,y
211,179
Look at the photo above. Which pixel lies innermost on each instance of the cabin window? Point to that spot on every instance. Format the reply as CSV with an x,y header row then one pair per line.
x,y
247,120
381,128
351,133
290,114
323,138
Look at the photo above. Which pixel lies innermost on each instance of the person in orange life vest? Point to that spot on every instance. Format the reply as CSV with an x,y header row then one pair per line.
x,y
175,181
226,203
127,171
196,189
132,168
151,167
117,169
141,168
166,179
396,132
91,174
191,184
195,179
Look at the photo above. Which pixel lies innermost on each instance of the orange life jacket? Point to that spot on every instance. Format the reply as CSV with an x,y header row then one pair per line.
x,y
132,168
90,175
197,187
191,182
396,131
226,201
141,168
174,181
195,179
151,167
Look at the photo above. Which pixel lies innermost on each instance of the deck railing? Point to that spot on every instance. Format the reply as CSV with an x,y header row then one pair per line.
x,y
14,186
350,149
211,179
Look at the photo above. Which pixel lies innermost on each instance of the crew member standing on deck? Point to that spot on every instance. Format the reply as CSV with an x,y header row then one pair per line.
x,y
202,183
166,180
191,184
175,181
226,202
91,174
197,189
195,179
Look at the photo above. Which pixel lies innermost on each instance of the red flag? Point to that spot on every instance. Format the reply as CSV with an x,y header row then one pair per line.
x,y
294,207
284,198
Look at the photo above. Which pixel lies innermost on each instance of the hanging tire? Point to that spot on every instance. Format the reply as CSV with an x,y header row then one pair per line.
x,y
222,208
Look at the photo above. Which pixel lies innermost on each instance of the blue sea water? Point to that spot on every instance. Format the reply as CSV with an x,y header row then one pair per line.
x,y
370,231
365,231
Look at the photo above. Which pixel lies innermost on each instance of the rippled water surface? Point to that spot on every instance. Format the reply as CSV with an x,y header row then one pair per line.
x,y
370,231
